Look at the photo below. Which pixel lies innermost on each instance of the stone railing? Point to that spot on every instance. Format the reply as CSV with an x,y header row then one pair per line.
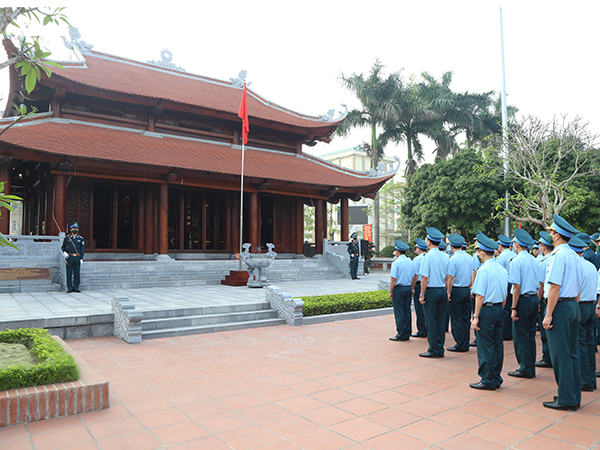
x,y
384,285
288,308
37,251
128,322
336,253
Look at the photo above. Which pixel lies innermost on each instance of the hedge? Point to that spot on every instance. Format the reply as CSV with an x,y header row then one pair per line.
x,y
54,364
317,305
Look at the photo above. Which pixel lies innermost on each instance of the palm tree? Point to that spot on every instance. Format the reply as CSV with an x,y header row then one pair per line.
x,y
374,92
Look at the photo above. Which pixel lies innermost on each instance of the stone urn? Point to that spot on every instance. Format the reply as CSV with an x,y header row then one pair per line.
x,y
258,263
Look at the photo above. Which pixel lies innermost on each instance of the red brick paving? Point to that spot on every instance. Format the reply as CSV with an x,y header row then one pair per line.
x,y
340,385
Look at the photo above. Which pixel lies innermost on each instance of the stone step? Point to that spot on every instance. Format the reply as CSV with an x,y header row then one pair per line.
x,y
183,331
206,319
221,309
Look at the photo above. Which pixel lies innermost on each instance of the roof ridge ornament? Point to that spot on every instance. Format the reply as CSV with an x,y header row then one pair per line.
x,y
240,80
82,46
166,56
383,170
329,116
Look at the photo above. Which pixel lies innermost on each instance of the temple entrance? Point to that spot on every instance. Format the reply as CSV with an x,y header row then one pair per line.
x,y
114,216
277,216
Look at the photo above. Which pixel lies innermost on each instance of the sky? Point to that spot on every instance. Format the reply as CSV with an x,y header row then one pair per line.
x,y
295,52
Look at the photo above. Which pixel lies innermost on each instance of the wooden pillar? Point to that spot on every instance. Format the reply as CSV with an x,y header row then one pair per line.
x,y
254,222
5,175
324,218
59,221
319,230
228,220
139,222
163,219
149,219
299,226
344,219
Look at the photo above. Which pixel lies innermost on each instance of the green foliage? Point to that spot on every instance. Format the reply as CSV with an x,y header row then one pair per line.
x,y
5,202
387,252
55,365
337,303
452,196
309,224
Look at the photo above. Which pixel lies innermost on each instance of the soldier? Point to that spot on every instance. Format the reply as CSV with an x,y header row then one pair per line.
x,y
401,291
524,274
490,289
353,251
564,274
420,250
546,250
73,246
587,305
459,301
588,253
433,294
505,255
536,251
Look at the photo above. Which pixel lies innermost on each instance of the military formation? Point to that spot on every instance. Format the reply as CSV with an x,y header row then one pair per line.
x,y
508,290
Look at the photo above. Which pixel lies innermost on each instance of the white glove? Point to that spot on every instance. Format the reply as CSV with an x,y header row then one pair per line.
x,y
81,262
66,255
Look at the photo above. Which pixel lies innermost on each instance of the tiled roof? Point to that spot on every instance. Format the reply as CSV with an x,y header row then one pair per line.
x,y
135,78
108,143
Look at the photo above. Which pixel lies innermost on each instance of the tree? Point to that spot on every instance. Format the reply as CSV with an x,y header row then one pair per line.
x,y
549,164
452,196
5,204
374,93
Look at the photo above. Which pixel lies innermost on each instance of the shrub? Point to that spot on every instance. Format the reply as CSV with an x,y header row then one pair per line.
x,y
54,365
336,303
387,252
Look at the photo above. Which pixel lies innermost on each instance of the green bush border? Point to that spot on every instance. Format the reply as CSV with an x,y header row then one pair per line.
x,y
318,305
55,365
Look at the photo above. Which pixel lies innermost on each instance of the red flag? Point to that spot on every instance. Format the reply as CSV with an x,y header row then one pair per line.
x,y
243,114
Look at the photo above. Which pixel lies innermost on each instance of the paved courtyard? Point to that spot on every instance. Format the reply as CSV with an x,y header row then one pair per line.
x,y
339,385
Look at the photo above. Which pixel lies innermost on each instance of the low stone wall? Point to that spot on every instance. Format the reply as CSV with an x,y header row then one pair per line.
x,y
128,322
89,393
287,307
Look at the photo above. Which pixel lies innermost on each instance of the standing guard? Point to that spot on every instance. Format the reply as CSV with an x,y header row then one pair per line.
x,y
353,251
73,246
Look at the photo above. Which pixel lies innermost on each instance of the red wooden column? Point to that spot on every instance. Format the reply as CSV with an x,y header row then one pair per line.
x,y
59,221
254,222
299,226
163,219
149,219
5,173
344,219
319,230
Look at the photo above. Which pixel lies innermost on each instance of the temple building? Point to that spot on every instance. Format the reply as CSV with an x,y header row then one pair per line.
x,y
148,159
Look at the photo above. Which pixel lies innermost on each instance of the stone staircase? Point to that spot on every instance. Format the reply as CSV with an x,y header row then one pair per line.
x,y
209,319
19,286
97,275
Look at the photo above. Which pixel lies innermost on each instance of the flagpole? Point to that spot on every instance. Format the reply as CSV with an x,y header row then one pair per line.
x,y
241,202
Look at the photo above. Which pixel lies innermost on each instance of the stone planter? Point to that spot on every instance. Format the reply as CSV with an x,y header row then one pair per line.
x,y
258,263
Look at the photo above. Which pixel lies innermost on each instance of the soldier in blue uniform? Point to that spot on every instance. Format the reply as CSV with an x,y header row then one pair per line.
x,y
420,250
524,275
587,306
433,294
588,253
490,288
505,255
353,251
546,250
401,292
564,274
459,294
73,245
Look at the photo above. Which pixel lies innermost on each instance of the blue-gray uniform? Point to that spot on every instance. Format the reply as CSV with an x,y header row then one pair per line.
x,y
504,259
545,360
353,251
73,244
459,268
434,267
565,270
524,273
587,342
492,284
421,324
401,276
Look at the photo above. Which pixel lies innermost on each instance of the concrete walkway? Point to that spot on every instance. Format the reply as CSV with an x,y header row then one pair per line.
x,y
340,385
37,305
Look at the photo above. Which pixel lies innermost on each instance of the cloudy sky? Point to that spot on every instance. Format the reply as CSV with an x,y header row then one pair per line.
x,y
295,52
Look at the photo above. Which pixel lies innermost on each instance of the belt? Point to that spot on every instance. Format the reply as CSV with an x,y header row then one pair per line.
x,y
586,301
492,304
441,287
527,295
73,254
402,285
566,299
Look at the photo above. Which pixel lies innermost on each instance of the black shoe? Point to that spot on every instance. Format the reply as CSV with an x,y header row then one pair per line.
x,y
597,374
69,291
357,278
587,388
543,363
76,290
428,355
559,407
418,335
395,338
518,374
473,344
456,349
481,387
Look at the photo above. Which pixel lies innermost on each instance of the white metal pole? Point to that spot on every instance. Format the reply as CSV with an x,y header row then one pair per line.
x,y
504,129
241,201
